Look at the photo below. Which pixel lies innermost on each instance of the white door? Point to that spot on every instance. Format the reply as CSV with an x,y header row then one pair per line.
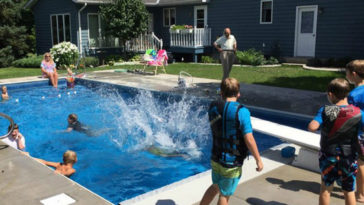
x,y
306,19
200,16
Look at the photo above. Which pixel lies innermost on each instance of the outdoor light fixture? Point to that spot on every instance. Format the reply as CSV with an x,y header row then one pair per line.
x,y
321,10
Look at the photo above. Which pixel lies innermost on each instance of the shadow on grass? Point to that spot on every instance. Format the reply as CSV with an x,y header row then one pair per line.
x,y
303,83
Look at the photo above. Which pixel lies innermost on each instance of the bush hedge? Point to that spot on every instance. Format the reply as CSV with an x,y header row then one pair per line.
x,y
32,61
254,57
90,62
208,59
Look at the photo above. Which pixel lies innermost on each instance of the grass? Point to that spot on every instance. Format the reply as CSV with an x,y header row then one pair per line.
x,y
283,76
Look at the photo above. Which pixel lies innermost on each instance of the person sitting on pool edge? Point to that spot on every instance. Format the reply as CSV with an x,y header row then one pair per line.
x,y
74,124
66,167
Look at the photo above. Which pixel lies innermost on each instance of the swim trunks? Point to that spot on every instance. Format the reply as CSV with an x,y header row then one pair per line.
x,y
339,169
226,178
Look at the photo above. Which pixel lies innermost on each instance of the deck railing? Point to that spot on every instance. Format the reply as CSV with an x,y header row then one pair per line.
x,y
190,38
140,44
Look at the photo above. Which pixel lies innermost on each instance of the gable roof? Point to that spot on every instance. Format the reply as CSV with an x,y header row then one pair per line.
x,y
31,3
172,2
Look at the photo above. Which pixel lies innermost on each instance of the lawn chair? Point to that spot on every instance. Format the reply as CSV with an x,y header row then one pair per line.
x,y
160,61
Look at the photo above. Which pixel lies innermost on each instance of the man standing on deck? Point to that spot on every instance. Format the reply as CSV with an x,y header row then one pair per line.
x,y
226,45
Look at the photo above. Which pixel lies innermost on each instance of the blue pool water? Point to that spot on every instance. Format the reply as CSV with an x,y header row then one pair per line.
x,y
116,164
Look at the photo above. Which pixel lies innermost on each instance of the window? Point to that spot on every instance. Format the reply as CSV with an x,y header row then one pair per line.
x,y
266,11
61,28
169,16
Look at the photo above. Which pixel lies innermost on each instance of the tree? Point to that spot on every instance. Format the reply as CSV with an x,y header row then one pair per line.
x,y
124,19
16,31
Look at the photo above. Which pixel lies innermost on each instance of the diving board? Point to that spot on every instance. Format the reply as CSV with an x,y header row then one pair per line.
x,y
293,135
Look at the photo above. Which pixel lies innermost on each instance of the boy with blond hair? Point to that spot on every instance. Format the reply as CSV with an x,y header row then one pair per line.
x,y
232,138
65,168
340,124
355,75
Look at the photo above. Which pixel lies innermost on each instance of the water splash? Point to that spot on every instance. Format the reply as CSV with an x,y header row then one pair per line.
x,y
142,121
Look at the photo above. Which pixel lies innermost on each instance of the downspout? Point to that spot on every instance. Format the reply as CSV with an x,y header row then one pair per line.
x,y
79,29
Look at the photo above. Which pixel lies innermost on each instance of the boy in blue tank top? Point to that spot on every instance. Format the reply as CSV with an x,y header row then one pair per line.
x,y
340,124
232,139
355,75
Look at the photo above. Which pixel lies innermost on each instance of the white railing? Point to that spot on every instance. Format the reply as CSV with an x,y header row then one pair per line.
x,y
140,44
190,38
144,42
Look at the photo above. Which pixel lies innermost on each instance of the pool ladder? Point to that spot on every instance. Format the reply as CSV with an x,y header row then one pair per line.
x,y
11,125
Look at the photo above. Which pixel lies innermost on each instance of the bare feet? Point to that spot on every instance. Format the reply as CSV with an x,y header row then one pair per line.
x,y
359,197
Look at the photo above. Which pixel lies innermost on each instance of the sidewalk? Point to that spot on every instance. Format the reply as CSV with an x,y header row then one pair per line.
x,y
286,185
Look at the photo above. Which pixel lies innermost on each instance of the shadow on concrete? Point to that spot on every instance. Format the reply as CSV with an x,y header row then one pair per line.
x,y
275,155
256,201
297,185
303,82
3,146
165,202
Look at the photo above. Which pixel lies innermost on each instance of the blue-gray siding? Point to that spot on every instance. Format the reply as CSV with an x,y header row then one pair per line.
x,y
42,12
340,27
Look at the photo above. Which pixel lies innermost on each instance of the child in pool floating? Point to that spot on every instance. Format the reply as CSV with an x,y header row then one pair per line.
x,y
66,167
4,93
70,78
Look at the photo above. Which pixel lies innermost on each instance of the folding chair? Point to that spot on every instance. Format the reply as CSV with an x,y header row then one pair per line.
x,y
160,61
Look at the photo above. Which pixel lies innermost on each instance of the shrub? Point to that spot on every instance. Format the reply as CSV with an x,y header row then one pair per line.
x,y
90,61
251,57
272,60
115,58
136,58
207,59
254,57
32,61
6,56
64,54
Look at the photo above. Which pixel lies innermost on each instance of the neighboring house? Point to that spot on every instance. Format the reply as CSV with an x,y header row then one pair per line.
x,y
285,28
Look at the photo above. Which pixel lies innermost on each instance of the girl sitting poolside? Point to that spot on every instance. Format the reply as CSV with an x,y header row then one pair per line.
x,y
49,69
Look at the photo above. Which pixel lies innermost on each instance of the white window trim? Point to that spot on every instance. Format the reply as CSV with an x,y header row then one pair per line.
x,y
64,30
88,28
261,10
169,13
205,15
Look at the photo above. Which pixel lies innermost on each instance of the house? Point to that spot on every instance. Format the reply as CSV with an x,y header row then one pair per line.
x,y
284,28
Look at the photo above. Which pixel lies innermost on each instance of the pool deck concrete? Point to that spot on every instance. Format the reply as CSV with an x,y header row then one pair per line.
x,y
27,181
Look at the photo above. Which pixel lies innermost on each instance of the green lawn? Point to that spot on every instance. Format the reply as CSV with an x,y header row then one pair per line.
x,y
283,76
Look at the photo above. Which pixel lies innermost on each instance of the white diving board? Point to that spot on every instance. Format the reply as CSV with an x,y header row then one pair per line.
x,y
293,135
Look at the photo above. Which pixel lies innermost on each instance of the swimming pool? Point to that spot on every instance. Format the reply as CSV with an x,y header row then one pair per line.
x,y
116,164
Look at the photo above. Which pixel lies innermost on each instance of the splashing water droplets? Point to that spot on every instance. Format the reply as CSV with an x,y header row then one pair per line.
x,y
144,120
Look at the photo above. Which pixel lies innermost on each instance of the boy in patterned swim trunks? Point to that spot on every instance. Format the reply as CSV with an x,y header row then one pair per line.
x,y
232,138
340,124
355,75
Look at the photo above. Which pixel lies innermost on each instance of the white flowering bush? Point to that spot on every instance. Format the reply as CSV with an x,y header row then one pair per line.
x,y
64,54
